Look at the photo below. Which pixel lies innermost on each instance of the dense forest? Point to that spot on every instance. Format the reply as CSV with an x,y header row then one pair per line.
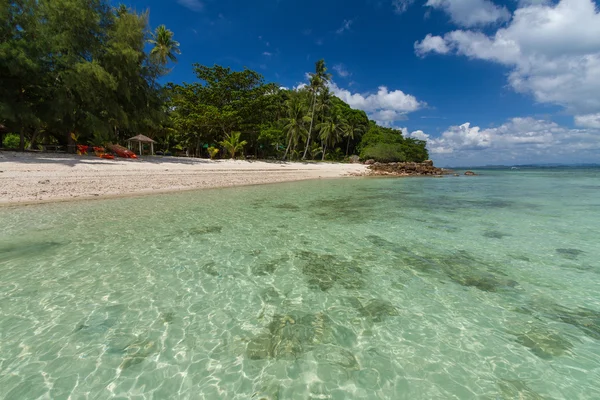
x,y
82,71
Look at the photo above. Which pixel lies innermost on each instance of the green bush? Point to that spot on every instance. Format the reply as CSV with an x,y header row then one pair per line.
x,y
11,141
383,152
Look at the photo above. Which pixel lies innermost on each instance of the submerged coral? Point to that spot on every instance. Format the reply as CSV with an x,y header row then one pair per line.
x,y
544,343
289,336
325,270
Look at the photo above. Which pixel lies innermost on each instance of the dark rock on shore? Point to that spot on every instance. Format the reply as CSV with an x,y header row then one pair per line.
x,y
406,169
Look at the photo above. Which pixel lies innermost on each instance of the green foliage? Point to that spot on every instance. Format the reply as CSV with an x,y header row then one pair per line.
x,y
383,152
233,144
165,48
11,141
212,152
388,145
77,66
85,67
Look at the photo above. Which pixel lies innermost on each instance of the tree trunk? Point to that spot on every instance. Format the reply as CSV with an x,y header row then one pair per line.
x,y
347,146
33,139
22,140
312,118
324,152
288,148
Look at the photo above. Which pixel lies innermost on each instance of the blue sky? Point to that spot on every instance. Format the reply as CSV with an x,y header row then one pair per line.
x,y
485,82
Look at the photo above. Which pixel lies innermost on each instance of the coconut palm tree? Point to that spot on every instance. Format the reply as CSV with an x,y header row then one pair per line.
x,y
233,144
332,130
165,48
318,81
295,122
352,129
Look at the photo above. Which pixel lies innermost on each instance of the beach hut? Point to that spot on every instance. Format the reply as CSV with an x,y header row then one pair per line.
x,y
140,140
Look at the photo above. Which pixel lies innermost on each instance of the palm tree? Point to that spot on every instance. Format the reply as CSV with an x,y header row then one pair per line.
x,y
233,144
294,122
165,48
318,81
332,130
352,129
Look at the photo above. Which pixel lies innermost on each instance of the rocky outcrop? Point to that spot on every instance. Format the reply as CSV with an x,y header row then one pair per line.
x,y
470,173
406,169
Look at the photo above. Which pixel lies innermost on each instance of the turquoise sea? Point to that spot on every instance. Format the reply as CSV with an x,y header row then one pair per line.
x,y
482,287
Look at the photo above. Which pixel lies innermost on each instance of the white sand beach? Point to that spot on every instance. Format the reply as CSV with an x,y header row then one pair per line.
x,y
40,177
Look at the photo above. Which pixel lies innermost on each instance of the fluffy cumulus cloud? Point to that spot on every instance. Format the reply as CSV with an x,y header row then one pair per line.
x,y
470,13
384,106
552,50
431,44
194,5
520,140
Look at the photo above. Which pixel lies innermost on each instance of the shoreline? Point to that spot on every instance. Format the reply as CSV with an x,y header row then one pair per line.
x,y
41,178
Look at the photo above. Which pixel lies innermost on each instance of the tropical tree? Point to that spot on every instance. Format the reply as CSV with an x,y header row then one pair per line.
x,y
332,130
295,122
318,81
165,47
233,144
353,128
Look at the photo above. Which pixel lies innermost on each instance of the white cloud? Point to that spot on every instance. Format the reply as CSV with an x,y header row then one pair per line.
x,y
420,135
471,12
400,6
266,53
553,51
385,106
520,140
431,44
588,120
194,5
345,26
341,70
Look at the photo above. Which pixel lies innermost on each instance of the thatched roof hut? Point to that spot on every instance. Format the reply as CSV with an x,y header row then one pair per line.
x,y
140,140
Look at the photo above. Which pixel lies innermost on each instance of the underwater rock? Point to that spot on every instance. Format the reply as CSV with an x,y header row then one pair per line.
x,y
336,355
205,230
484,281
588,321
377,310
544,343
570,254
167,317
287,206
8,252
386,244
516,389
270,295
268,267
210,268
138,351
289,336
495,235
325,270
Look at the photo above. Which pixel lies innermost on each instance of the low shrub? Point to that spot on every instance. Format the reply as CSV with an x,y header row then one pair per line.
x,y
11,141
383,152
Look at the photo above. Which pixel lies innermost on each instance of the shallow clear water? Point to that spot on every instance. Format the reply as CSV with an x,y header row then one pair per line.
x,y
483,288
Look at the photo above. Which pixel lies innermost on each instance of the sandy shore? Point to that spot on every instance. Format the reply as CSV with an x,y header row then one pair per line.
x,y
31,178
